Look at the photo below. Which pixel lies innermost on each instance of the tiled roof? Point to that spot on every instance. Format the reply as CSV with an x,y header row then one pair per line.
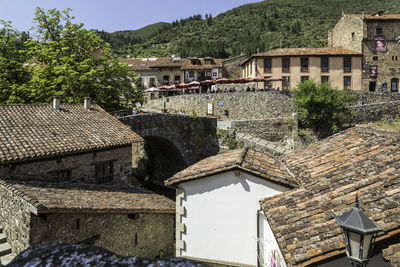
x,y
392,254
322,51
37,131
201,64
371,17
256,163
363,161
84,198
151,63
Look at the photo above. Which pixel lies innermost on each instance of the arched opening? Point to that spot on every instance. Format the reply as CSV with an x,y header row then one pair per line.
x,y
162,160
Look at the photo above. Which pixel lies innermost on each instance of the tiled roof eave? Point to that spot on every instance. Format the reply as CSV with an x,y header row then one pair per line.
x,y
74,210
271,178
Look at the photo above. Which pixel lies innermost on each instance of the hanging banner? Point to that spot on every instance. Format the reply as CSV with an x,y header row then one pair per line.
x,y
380,43
373,71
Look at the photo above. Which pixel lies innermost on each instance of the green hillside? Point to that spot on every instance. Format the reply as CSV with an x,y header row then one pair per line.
x,y
265,25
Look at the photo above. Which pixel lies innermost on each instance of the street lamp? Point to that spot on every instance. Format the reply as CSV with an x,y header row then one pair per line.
x,y
359,232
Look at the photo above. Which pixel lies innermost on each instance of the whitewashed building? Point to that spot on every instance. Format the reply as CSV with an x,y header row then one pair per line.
x,y
218,206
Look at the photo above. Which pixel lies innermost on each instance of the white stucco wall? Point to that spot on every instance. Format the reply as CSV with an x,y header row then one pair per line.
x,y
221,216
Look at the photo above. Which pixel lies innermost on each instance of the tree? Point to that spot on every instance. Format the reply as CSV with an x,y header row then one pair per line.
x,y
320,106
13,73
75,64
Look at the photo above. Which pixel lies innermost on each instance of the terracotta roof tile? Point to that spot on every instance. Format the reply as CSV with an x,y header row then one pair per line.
x,y
151,63
201,64
37,131
371,17
84,198
363,161
257,163
323,51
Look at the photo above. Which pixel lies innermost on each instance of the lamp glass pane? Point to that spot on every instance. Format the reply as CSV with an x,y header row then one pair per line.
x,y
354,242
366,245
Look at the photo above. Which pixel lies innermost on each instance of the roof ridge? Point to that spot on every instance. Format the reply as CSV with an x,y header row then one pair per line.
x,y
242,155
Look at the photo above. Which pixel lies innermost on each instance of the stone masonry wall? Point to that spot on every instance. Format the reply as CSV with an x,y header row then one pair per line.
x,y
14,218
384,111
239,105
81,165
142,235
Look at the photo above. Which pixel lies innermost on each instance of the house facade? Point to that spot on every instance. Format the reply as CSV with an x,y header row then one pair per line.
x,y
217,202
201,69
377,37
339,66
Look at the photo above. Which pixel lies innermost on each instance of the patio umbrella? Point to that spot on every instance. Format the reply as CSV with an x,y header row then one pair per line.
x,y
152,89
163,87
194,83
258,79
274,79
241,80
181,85
207,82
223,80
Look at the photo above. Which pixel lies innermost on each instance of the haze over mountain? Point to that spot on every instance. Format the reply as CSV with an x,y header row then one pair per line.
x,y
264,25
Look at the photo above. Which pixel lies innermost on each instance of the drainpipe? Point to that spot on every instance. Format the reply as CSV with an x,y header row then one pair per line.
x,y
259,264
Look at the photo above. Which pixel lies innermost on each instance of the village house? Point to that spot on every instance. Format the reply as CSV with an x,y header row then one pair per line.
x,y
377,37
201,69
147,76
65,171
340,66
218,215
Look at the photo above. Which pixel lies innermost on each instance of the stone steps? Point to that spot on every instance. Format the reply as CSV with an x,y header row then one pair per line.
x,y
5,250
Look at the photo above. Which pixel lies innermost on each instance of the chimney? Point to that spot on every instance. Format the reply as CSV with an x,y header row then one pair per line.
x,y
56,104
86,103
258,50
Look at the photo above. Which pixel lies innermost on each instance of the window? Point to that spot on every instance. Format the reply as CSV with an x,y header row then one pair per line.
x,y
347,82
208,62
352,35
62,175
378,31
304,64
267,65
286,83
285,64
347,64
177,79
375,58
104,172
394,58
304,78
191,74
208,73
394,84
152,81
267,84
165,80
324,79
324,64
140,81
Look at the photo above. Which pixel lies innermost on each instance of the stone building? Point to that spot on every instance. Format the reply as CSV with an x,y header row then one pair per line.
x,y
232,66
53,159
377,37
338,65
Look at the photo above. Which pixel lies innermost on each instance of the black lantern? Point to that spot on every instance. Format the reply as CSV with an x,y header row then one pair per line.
x,y
360,233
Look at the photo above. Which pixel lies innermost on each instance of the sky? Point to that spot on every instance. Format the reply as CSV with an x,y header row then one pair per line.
x,y
115,15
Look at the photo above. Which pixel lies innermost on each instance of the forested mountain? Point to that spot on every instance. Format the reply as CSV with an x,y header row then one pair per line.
x,y
265,25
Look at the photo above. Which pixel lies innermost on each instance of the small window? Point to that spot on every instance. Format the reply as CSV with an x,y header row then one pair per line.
x,y
267,65
352,35
166,80
394,85
347,64
177,79
324,79
191,74
372,86
304,64
267,84
304,78
286,64
140,81
286,83
152,81
375,58
347,82
104,172
378,31
324,64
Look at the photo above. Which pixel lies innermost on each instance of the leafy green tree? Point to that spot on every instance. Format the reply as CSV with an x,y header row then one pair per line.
x,y
13,73
320,106
74,63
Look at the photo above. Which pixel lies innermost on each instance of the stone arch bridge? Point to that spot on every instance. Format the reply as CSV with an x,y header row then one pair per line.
x,y
174,141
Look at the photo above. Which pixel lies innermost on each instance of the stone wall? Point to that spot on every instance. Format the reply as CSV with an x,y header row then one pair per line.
x,y
15,216
140,235
384,111
232,67
82,166
238,105
274,129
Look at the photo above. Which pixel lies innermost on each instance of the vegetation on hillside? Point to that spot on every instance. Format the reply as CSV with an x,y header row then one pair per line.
x,y
320,106
67,62
265,25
